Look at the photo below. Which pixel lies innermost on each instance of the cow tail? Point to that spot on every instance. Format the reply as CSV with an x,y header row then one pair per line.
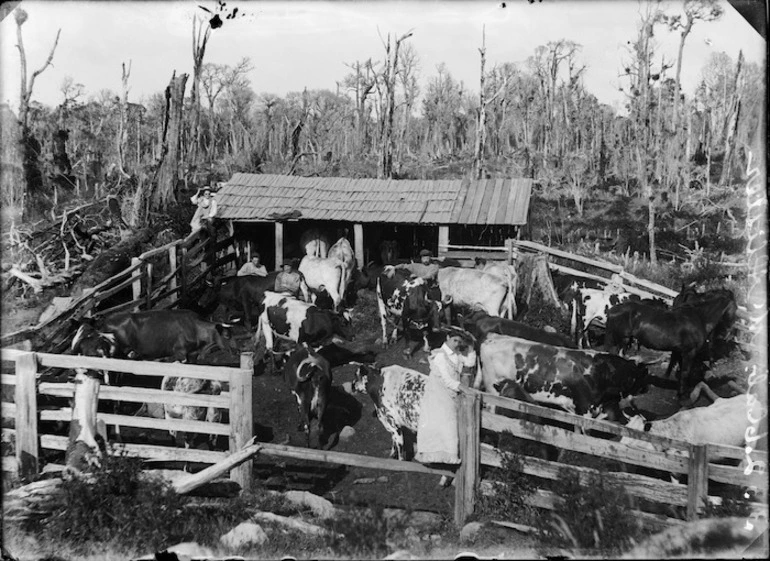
x,y
383,312
478,378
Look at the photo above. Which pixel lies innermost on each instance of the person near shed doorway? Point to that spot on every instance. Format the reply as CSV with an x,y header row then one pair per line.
x,y
437,432
288,280
253,267
425,269
206,211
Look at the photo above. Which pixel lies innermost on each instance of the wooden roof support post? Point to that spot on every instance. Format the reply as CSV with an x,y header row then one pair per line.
x,y
443,240
278,245
172,282
358,243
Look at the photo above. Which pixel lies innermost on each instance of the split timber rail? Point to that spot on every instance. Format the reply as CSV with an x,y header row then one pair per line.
x,y
155,278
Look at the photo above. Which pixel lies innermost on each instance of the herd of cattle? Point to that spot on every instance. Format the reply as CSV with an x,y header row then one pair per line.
x,y
307,341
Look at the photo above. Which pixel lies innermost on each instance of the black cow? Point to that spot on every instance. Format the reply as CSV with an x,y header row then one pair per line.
x,y
481,324
727,316
240,295
621,319
149,335
410,302
309,377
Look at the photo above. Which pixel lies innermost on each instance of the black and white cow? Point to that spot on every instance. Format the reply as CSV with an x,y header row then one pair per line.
x,y
397,396
591,305
309,378
408,301
299,322
576,381
481,324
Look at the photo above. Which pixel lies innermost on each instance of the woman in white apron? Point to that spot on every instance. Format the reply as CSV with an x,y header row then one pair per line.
x,y
437,434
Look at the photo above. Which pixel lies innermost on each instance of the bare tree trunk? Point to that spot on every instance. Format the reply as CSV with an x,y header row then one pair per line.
x,y
731,123
36,203
481,127
168,174
123,123
389,78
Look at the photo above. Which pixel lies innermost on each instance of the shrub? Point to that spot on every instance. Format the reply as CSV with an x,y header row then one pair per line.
x,y
119,507
594,514
508,499
363,534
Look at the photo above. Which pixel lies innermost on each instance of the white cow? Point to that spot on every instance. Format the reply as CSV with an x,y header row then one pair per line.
x,y
326,271
314,243
478,290
723,422
343,251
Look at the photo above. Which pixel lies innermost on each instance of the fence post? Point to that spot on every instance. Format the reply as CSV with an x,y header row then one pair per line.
x,y
697,480
136,286
467,479
27,445
148,274
241,424
172,266
182,268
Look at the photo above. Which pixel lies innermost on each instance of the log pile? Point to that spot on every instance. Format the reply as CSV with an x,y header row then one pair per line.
x,y
55,252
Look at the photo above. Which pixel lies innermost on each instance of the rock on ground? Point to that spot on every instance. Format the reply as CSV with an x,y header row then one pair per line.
x,y
347,433
320,506
244,535
470,532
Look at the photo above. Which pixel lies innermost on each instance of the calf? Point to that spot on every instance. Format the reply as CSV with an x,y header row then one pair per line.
x,y
481,324
190,412
309,378
577,381
407,301
397,395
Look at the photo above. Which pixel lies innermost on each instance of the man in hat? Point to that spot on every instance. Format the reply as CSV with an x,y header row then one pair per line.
x,y
288,280
206,211
425,268
253,267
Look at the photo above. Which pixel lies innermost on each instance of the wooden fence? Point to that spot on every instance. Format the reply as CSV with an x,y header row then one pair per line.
x,y
184,265
477,417
29,440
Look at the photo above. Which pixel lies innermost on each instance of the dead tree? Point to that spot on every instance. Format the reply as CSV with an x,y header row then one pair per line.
x,y
385,170
481,125
35,203
168,172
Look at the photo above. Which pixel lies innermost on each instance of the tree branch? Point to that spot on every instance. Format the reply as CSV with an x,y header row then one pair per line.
x,y
36,73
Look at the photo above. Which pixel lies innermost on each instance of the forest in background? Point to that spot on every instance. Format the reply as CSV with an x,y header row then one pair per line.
x,y
668,170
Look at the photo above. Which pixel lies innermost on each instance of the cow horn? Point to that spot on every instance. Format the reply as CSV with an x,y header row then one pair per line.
x,y
310,360
447,300
79,335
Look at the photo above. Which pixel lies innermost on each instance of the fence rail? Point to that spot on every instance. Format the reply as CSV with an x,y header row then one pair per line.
x,y
237,400
182,273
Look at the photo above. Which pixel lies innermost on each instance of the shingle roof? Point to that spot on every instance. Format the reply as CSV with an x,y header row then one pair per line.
x,y
258,197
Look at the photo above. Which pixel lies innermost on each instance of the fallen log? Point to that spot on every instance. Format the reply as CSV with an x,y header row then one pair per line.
x,y
220,468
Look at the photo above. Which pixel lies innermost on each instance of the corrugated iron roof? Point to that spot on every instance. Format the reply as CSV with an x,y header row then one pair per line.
x,y
260,197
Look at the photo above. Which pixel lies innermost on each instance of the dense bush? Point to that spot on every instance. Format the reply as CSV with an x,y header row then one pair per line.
x,y
510,491
594,514
118,507
364,534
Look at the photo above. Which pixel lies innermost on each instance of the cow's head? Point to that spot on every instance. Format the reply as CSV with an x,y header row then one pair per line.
x,y
90,342
311,364
363,375
342,325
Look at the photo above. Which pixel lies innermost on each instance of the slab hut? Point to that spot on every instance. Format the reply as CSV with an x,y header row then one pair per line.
x,y
269,213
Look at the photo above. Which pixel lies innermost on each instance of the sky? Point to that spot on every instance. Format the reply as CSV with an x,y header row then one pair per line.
x,y
293,45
